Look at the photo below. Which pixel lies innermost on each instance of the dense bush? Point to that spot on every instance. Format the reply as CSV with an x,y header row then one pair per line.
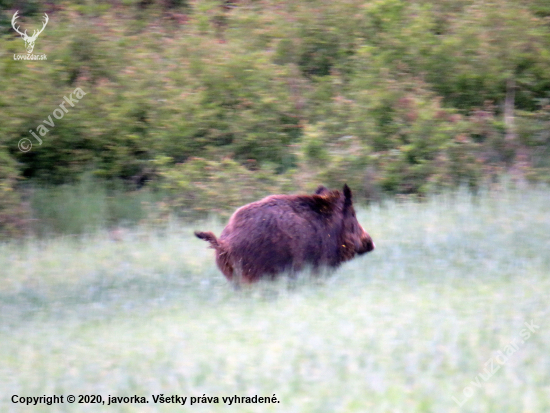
x,y
199,187
391,96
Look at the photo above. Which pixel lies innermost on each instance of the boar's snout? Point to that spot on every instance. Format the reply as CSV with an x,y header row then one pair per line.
x,y
366,244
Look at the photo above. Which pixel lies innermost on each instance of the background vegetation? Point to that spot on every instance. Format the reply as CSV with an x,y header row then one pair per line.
x,y
206,105
404,329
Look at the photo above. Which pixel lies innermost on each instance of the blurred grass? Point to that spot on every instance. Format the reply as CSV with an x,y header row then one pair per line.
x,y
403,329
87,206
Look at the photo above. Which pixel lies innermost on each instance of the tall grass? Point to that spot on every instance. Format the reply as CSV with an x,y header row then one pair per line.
x,y
87,206
404,329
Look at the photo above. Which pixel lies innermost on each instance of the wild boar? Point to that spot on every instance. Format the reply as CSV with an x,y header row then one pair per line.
x,y
285,233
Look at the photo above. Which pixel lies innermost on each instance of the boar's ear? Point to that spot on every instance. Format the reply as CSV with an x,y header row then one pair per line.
x,y
321,190
347,197
323,202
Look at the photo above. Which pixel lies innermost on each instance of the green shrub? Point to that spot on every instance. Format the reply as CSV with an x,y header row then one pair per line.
x,y
199,187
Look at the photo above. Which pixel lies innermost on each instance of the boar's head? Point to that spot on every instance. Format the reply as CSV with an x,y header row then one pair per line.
x,y
352,232
355,240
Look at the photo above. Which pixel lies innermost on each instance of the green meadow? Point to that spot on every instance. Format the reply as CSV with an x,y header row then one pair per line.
x,y
434,320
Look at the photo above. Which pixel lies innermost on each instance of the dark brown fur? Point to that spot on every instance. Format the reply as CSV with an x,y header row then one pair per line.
x,y
287,232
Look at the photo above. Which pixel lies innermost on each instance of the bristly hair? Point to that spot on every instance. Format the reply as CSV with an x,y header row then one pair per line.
x,y
322,204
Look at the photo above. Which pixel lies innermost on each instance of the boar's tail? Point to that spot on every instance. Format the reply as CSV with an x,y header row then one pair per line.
x,y
208,236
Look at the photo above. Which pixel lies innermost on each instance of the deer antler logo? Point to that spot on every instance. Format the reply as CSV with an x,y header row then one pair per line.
x,y
29,40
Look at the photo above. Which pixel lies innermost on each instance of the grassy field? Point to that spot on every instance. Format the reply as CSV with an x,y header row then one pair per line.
x,y
422,324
